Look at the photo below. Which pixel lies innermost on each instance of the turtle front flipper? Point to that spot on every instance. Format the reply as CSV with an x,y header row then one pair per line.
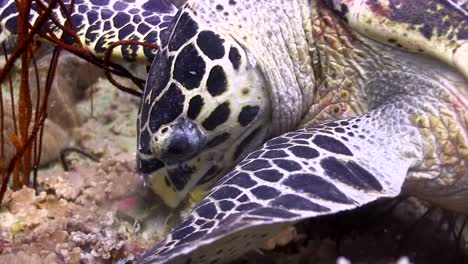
x,y
99,23
313,171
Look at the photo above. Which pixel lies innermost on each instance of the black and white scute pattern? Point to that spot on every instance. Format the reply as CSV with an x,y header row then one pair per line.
x,y
98,23
309,172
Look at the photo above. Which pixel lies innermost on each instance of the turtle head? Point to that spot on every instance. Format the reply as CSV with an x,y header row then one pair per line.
x,y
205,106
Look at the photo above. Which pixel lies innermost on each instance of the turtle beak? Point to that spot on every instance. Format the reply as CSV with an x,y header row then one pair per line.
x,y
146,167
179,143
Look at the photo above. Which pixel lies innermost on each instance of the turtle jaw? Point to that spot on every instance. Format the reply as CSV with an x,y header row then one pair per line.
x,y
155,175
173,181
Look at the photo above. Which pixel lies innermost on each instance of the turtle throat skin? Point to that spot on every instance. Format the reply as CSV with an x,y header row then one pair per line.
x,y
205,107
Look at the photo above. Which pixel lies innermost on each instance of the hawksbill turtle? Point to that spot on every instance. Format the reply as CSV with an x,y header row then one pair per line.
x,y
285,110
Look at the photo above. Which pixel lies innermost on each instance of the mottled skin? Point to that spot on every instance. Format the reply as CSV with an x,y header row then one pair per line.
x,y
403,127
346,120
324,80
